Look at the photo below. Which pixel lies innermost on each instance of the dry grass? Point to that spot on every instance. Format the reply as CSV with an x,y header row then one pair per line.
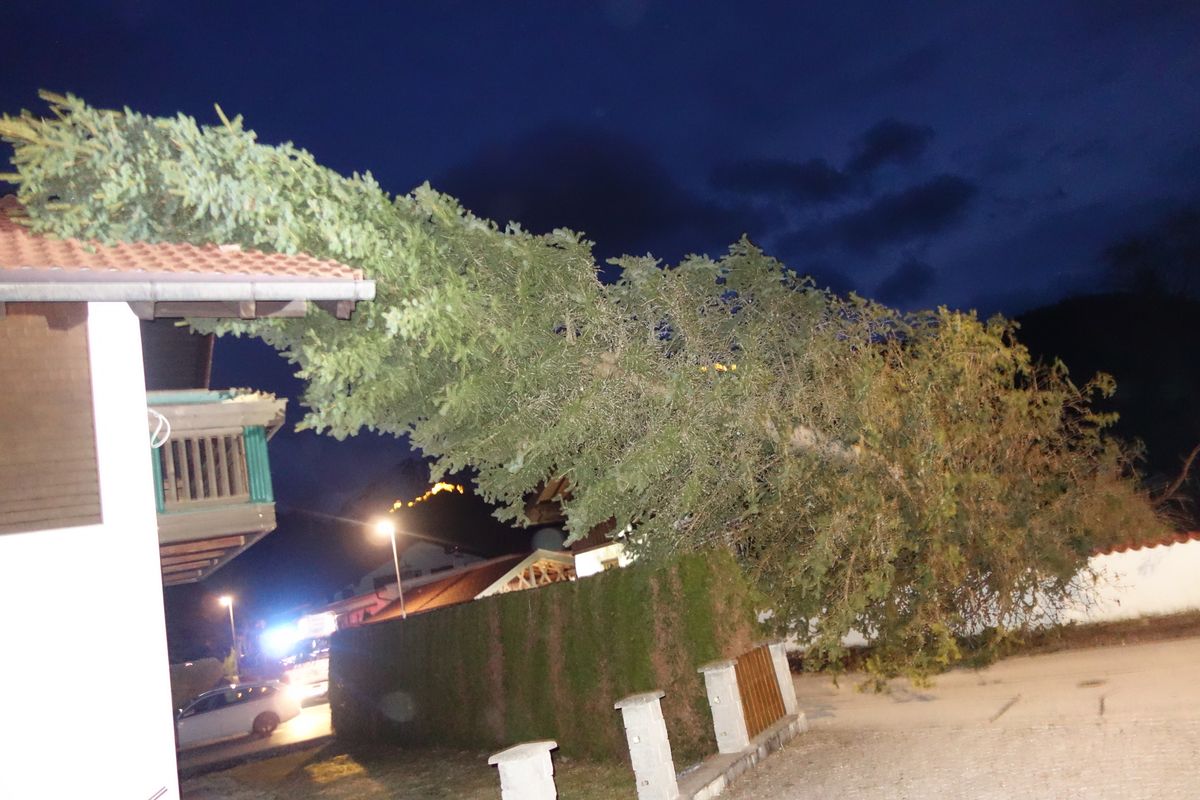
x,y
333,772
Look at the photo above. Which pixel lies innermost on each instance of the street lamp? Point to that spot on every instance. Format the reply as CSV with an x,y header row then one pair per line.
x,y
227,601
385,527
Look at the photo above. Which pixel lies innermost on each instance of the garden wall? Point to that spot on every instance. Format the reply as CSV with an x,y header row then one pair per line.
x,y
1149,581
548,663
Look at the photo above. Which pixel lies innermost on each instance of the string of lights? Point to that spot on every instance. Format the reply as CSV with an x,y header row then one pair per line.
x,y
437,488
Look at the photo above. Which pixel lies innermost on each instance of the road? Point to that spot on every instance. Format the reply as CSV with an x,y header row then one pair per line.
x,y
312,724
1111,722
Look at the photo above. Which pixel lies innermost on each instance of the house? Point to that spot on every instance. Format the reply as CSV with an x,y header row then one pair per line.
x,y
304,646
375,590
78,503
417,559
599,549
512,573
463,580
212,477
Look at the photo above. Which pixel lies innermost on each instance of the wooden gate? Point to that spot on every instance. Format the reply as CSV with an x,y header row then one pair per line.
x,y
761,701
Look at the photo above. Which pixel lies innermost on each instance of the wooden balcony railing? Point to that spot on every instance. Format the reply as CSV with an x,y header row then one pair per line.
x,y
198,469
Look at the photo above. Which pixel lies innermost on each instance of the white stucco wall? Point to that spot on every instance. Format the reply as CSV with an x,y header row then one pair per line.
x,y
1142,583
1153,581
85,708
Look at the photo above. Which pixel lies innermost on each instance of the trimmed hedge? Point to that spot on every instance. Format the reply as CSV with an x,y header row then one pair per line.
x,y
549,663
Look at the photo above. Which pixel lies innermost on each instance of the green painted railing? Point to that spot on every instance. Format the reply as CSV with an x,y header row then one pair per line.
x,y
160,500
258,466
257,475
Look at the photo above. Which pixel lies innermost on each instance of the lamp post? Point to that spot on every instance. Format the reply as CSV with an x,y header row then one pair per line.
x,y
385,527
227,601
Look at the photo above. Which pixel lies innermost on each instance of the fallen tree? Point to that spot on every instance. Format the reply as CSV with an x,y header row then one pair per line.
x,y
913,476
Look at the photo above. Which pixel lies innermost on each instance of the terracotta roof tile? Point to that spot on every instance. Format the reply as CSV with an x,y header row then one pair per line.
x,y
1175,538
22,250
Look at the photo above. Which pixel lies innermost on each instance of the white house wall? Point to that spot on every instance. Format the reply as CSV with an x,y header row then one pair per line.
x,y
86,707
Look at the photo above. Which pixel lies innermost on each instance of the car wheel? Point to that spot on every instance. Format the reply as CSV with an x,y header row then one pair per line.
x,y
265,724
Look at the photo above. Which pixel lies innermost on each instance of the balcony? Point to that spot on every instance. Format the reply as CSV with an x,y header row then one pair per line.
x,y
212,478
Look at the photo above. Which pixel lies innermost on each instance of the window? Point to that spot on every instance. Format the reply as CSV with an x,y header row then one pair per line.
x,y
206,704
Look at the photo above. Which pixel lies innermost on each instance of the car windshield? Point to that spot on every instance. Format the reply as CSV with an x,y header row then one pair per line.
x,y
309,650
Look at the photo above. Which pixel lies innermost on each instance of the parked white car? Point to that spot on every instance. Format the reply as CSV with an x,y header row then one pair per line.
x,y
235,710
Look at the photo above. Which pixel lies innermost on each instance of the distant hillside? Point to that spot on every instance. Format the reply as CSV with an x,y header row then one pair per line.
x,y
1151,345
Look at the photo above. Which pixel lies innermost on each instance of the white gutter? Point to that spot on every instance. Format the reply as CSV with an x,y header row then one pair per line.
x,y
105,289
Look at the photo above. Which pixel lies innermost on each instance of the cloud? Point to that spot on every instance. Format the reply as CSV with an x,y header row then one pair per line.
x,y
907,284
599,183
807,182
889,141
921,210
816,181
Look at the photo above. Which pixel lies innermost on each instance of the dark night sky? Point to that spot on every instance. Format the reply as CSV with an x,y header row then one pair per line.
x,y
968,154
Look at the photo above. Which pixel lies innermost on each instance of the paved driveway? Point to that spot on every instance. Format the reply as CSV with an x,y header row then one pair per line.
x,y
312,724
1115,722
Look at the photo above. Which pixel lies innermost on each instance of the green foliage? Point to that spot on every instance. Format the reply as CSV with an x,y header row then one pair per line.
x,y
437,679
916,477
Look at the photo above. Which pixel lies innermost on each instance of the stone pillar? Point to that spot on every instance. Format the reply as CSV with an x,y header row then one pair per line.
x,y
783,674
649,747
526,772
729,721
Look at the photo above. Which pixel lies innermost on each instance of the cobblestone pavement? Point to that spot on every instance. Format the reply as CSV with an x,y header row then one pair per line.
x,y
1112,722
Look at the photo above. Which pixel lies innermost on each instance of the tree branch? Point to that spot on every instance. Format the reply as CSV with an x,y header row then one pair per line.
x,y
1183,475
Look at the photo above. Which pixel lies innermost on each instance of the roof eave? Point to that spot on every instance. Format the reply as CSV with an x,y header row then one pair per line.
x,y
176,296
177,289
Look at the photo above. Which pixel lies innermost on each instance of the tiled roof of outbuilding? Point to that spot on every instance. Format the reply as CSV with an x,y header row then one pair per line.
x,y
460,586
21,250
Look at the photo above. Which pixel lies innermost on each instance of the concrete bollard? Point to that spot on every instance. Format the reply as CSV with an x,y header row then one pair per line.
x,y
649,747
783,674
729,721
526,772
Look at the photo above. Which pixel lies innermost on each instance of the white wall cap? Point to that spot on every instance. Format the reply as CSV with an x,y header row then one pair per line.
x,y
640,699
520,752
